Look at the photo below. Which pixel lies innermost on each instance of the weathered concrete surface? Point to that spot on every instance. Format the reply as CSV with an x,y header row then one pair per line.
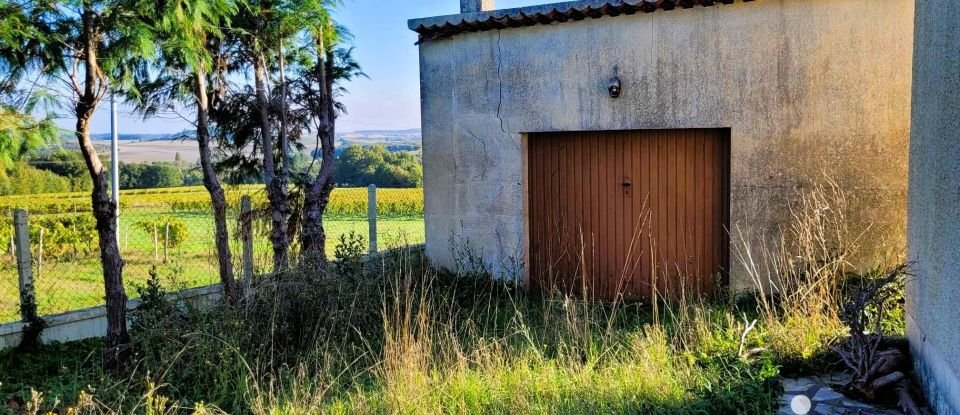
x,y
808,88
934,226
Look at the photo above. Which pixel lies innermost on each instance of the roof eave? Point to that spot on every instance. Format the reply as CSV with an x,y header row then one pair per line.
x,y
443,26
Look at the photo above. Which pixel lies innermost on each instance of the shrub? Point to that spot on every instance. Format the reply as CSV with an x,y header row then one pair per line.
x,y
170,231
65,236
349,254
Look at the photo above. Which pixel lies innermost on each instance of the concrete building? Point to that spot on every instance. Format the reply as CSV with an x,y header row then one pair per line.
x,y
933,295
591,121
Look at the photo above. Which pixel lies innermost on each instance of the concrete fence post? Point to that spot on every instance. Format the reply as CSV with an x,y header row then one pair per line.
x,y
28,298
156,244
246,233
372,216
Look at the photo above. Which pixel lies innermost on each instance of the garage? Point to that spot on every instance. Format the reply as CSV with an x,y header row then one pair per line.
x,y
629,213
638,147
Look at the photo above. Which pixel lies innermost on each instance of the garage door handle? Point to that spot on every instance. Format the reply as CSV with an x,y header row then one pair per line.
x,y
627,184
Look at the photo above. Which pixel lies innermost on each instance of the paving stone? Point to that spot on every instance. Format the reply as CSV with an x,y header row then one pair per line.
x,y
826,400
850,403
798,385
827,394
837,378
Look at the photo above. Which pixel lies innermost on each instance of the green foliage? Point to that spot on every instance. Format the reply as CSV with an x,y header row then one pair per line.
x,y
65,163
364,165
198,365
150,175
22,179
349,254
61,371
405,340
65,236
170,231
344,202
21,133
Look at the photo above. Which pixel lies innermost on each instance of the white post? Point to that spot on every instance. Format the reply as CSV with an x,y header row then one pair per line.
x,y
372,216
115,163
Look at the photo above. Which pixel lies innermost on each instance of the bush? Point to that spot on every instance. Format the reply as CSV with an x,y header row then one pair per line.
x,y
170,231
66,236
185,345
349,254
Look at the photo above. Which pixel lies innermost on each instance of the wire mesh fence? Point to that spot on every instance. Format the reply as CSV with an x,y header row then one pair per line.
x,y
9,291
177,245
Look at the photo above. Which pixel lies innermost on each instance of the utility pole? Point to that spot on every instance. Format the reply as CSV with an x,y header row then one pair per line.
x,y
115,163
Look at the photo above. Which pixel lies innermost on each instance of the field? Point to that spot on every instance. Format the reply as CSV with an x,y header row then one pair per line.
x,y
68,275
159,150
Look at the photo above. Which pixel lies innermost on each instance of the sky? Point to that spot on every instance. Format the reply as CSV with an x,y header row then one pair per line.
x,y
384,47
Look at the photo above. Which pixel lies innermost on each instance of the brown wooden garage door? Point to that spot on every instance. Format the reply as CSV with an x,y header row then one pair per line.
x,y
627,211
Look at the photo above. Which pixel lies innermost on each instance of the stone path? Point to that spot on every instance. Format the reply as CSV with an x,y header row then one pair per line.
x,y
814,395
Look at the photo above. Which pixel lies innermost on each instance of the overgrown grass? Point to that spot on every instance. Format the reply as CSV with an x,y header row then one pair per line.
x,y
804,275
398,337
395,336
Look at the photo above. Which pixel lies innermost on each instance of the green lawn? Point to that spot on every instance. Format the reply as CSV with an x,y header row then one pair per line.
x,y
65,284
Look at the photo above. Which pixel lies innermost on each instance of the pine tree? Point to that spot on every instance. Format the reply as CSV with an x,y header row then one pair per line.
x,y
91,48
189,36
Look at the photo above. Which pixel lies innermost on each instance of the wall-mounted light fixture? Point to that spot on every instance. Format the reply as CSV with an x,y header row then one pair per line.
x,y
614,86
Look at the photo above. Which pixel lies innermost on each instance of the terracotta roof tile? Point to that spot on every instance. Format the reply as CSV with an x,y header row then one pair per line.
x,y
444,26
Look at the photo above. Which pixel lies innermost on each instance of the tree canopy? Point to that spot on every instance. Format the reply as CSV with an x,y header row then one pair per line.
x,y
365,165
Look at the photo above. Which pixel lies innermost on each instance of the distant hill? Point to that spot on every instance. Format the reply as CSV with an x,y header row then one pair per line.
x,y
409,138
144,137
393,140
142,147
409,132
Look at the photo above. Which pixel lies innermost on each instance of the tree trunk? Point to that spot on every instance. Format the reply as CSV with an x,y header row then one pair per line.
x,y
117,346
217,197
313,237
277,191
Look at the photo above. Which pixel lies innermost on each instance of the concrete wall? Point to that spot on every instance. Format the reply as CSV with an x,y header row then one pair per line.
x,y
934,227
92,322
807,87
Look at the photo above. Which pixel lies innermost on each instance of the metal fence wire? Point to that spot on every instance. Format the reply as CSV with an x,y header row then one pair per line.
x,y
175,245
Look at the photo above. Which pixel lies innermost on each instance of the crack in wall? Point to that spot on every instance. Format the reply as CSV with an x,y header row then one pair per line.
x,y
486,162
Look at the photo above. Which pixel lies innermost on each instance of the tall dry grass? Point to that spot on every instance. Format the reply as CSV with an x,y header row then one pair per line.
x,y
800,272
